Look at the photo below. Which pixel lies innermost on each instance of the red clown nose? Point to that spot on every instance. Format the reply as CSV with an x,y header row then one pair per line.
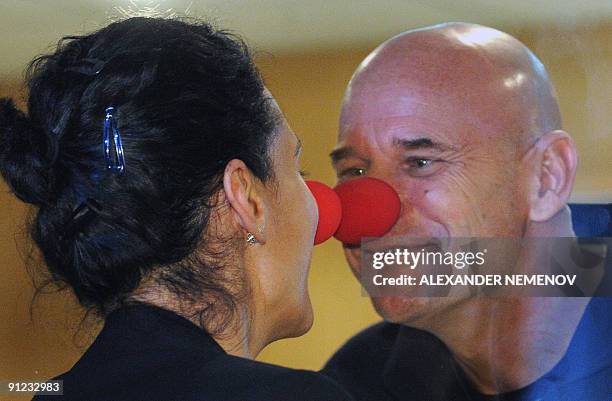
x,y
363,207
330,210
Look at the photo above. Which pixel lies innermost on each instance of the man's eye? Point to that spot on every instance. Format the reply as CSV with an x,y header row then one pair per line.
x,y
354,172
420,163
421,166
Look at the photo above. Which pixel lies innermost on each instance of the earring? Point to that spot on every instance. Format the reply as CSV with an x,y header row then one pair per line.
x,y
251,239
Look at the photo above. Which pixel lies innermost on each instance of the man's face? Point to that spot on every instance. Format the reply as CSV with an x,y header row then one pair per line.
x,y
455,173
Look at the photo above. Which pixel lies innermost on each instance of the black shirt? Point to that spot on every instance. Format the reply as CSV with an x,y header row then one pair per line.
x,y
392,362
148,353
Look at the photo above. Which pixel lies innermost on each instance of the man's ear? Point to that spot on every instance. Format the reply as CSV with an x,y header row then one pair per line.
x,y
246,205
555,161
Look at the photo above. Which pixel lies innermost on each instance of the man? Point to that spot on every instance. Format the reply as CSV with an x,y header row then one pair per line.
x,y
463,122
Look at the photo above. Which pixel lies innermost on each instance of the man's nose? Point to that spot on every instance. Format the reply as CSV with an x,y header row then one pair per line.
x,y
404,223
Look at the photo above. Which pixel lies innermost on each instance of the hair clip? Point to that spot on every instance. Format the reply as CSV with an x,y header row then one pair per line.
x,y
115,163
87,66
82,216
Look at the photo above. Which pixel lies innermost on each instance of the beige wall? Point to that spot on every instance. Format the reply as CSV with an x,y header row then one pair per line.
x,y
580,64
309,89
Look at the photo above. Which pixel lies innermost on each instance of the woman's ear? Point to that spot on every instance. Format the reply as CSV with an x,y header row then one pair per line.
x,y
554,168
247,206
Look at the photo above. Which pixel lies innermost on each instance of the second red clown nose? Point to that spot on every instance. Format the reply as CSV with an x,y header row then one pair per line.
x,y
363,207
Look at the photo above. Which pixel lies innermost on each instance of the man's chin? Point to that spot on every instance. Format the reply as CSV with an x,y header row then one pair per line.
x,y
397,309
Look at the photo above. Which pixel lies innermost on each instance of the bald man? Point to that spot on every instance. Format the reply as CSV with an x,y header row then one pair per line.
x,y
463,122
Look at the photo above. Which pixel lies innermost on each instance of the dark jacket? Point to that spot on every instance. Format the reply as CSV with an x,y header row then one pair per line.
x,y
148,353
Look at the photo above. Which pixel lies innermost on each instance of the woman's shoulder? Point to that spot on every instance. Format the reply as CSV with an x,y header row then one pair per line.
x,y
225,378
245,379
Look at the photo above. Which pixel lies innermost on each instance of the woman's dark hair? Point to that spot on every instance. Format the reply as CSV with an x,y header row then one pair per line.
x,y
188,99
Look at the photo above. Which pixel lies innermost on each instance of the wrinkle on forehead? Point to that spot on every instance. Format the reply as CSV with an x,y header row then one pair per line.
x,y
456,73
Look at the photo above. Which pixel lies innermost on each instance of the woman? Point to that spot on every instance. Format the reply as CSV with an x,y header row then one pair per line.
x,y
170,201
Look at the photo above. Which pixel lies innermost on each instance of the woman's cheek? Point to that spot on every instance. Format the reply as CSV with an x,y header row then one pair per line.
x,y
313,212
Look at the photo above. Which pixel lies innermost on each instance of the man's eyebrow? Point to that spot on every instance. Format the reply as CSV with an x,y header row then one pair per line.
x,y
340,153
298,147
418,143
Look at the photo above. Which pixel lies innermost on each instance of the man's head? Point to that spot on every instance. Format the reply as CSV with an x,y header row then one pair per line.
x,y
463,122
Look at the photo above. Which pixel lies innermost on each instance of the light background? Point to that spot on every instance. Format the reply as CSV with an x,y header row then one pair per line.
x,y
307,70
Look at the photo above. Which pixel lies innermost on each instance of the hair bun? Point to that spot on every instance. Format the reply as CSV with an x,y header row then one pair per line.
x,y
22,160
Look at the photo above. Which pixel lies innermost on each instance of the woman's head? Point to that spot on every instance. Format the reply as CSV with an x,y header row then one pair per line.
x,y
205,158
